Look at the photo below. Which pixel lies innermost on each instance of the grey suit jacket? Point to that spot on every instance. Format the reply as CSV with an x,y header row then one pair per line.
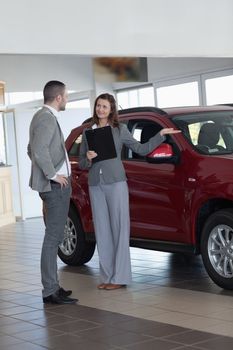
x,y
46,149
113,169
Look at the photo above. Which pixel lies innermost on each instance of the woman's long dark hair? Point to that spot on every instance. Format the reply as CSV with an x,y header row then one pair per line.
x,y
113,116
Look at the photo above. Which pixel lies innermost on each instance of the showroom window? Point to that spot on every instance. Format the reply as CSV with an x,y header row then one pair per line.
x,y
143,96
13,98
219,90
185,94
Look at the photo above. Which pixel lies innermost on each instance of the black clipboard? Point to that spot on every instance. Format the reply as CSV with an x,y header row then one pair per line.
x,y
101,141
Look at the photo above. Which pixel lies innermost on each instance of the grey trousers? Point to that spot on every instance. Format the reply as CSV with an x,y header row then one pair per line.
x,y
56,203
110,210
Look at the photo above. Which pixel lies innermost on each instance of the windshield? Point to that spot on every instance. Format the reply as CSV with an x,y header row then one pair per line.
x,y
210,132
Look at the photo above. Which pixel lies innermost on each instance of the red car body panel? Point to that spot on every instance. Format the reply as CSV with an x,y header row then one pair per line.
x,y
165,198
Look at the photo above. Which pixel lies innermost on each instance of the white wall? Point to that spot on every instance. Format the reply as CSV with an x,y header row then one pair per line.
x,y
124,27
31,203
31,72
12,160
168,68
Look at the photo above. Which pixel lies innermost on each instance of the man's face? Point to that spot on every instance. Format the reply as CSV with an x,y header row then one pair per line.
x,y
63,100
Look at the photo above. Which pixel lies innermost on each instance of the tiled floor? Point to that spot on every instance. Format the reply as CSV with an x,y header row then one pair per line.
x,y
171,304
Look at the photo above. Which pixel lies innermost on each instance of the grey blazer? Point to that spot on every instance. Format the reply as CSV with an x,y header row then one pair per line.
x,y
46,149
113,169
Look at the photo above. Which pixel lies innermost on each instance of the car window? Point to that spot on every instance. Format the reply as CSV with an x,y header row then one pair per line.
x,y
195,129
75,148
142,131
209,133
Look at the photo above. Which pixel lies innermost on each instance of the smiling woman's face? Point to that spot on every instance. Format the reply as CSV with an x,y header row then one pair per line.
x,y
103,108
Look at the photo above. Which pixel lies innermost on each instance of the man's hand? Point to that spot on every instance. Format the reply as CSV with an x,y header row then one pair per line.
x,y
62,180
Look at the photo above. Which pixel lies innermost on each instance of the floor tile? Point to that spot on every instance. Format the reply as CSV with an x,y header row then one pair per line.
x,y
225,343
171,303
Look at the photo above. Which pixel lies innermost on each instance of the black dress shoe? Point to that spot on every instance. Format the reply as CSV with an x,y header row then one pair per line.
x,y
55,298
64,293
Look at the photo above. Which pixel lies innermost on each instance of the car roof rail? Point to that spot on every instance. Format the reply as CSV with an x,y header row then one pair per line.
x,y
88,120
142,109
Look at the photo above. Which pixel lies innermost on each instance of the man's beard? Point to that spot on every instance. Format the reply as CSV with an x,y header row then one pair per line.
x,y
62,108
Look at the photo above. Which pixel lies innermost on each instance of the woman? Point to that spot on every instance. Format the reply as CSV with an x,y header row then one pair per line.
x,y
109,193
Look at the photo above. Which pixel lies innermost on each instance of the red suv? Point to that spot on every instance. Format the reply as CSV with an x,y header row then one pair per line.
x,y
181,194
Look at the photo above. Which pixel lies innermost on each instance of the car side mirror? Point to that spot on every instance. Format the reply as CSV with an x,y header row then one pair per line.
x,y
162,154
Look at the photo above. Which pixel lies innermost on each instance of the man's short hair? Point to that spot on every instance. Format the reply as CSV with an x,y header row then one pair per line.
x,y
52,89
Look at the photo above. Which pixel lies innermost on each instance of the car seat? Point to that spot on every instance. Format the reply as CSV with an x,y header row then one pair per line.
x,y
208,138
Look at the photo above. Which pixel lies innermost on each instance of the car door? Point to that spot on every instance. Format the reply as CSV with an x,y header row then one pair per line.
x,y
156,191
80,193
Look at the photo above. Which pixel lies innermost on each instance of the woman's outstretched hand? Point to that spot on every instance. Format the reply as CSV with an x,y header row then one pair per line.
x,y
167,131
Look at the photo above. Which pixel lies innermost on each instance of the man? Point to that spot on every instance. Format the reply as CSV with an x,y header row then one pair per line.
x,y
50,176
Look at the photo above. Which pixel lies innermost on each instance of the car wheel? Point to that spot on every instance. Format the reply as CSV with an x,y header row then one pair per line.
x,y
75,250
217,247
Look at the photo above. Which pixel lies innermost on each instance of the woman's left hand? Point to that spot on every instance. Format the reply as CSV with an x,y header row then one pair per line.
x,y
167,131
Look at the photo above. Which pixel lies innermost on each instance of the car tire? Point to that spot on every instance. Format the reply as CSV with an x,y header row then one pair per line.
x,y
75,249
217,247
